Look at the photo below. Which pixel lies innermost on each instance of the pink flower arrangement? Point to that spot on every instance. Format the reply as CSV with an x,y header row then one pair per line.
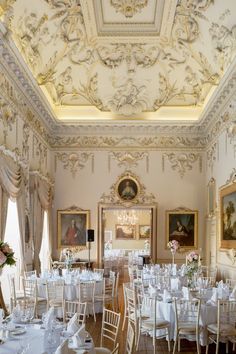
x,y
173,245
6,255
192,257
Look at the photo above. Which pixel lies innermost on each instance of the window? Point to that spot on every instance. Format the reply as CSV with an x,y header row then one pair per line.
x,y
44,255
12,236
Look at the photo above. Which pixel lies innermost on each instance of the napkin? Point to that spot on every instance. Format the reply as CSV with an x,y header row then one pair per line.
x,y
174,284
166,296
49,317
73,324
63,348
79,337
213,300
186,293
232,296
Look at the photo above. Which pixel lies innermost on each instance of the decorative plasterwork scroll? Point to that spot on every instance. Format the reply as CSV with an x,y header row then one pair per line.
x,y
25,141
211,155
40,151
7,116
142,197
232,177
182,162
128,159
129,8
75,161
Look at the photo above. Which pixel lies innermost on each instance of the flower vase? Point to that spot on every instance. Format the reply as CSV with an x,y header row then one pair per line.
x,y
173,256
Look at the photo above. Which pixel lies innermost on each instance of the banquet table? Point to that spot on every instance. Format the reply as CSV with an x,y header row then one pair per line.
x,y
33,342
71,287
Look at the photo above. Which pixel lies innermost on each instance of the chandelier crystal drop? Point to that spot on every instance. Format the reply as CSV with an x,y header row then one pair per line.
x,y
127,217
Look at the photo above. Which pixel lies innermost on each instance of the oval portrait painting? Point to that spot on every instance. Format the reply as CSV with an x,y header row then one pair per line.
x,y
127,189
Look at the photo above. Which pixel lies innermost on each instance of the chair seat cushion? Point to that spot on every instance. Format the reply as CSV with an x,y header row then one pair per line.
x,y
225,329
160,323
102,350
187,327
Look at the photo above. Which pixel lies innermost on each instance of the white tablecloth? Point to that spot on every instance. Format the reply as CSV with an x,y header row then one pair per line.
x,y
35,338
208,314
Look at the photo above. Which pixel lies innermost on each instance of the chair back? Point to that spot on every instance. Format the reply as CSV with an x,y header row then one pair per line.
x,y
131,304
231,283
99,270
55,290
187,312
130,339
110,326
30,288
86,291
30,274
226,313
72,307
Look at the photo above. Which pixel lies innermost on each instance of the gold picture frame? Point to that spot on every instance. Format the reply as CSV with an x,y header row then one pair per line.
x,y
144,232
125,232
228,216
182,226
127,188
71,228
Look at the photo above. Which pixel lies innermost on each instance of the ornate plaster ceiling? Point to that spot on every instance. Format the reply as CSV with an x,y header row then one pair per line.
x,y
124,59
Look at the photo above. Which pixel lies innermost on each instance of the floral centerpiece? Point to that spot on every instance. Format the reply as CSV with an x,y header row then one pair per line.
x,y
108,245
173,246
68,258
6,255
147,246
192,262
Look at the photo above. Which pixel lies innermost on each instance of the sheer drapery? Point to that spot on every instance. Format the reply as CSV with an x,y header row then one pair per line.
x,y
3,212
40,200
11,182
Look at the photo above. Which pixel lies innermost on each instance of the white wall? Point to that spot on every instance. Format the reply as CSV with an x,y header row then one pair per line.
x,y
170,190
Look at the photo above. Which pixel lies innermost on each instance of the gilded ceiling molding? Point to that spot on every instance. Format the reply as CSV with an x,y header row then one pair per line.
x,y
129,98
182,162
128,8
211,156
142,198
145,142
129,159
74,161
31,94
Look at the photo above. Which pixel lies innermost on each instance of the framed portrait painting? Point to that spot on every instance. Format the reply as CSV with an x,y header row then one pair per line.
x,y
125,232
182,226
228,216
72,226
127,188
144,231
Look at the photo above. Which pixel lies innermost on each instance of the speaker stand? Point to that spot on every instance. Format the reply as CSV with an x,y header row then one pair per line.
x,y
89,245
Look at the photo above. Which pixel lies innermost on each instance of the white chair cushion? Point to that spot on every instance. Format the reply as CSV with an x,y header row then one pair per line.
x,y
225,329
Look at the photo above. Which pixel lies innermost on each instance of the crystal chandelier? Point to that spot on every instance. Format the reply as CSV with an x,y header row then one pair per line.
x,y
127,217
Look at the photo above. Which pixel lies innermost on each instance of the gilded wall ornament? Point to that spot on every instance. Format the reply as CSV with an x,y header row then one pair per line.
x,y
40,151
74,161
7,116
25,141
211,155
128,8
142,197
182,162
128,159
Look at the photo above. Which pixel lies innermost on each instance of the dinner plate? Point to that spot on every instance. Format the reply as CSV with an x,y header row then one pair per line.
x,y
17,331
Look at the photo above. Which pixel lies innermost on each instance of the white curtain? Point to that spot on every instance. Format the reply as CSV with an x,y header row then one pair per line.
x,y
40,201
11,182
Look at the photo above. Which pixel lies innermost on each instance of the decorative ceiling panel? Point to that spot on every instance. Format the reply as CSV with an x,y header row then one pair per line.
x,y
124,59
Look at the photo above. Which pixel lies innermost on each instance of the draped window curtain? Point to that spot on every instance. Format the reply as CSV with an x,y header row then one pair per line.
x,y
40,201
12,185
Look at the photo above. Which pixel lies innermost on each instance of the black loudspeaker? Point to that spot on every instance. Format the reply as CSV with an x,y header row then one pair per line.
x,y
90,235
